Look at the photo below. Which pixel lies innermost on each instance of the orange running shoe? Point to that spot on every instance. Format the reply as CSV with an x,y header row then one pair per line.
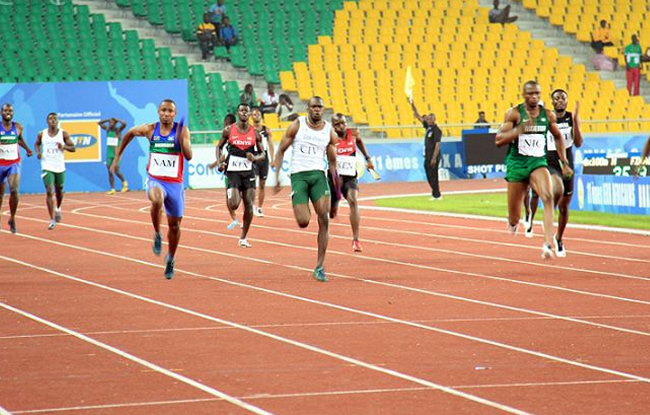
x,y
356,245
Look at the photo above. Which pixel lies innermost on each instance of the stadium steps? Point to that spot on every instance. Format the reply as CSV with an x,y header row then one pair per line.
x,y
567,44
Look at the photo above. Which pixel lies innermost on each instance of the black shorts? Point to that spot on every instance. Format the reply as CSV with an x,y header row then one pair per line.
x,y
554,168
262,168
241,180
347,183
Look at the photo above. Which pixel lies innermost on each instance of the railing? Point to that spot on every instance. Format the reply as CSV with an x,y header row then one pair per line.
x,y
641,126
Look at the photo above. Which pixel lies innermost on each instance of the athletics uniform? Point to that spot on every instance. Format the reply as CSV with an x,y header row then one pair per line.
x,y
262,166
52,159
565,124
112,143
239,170
346,165
165,169
528,152
9,154
308,163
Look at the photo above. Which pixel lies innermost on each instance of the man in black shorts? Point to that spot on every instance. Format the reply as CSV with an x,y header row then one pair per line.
x,y
244,149
262,167
346,166
569,126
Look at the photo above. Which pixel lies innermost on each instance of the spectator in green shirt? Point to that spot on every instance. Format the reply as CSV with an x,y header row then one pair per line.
x,y
633,65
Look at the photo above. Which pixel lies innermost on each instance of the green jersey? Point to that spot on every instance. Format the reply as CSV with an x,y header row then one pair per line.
x,y
112,142
633,55
532,142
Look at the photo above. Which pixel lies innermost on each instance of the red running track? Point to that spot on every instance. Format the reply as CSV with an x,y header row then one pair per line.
x,y
437,315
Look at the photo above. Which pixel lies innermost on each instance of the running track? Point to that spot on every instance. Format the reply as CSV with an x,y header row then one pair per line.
x,y
437,315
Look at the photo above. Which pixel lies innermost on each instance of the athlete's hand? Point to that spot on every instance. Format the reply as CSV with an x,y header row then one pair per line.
x,y
30,153
212,165
38,155
250,156
60,146
566,171
370,165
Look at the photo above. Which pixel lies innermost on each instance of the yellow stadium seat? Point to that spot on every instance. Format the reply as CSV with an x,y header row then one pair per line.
x,y
288,81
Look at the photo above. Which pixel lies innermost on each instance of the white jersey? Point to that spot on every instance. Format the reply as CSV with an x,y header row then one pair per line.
x,y
309,147
51,156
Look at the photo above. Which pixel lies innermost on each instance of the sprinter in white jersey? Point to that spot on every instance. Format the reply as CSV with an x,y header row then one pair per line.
x,y
569,125
311,139
50,145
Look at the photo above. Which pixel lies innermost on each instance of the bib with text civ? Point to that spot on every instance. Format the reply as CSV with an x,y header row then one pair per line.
x,y
346,165
239,164
532,145
164,165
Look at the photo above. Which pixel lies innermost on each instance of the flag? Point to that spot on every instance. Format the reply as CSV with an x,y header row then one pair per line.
x,y
409,83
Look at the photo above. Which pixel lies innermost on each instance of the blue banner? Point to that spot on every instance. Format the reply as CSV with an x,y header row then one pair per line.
x,y
80,105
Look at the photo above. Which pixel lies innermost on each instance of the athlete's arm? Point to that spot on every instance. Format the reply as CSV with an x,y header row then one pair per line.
x,y
415,110
225,135
559,143
646,151
103,124
271,146
577,134
143,130
69,145
507,132
121,127
287,140
21,140
362,148
186,143
261,154
38,143
331,158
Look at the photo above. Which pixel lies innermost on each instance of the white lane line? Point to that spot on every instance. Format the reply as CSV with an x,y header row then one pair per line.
x,y
3,411
393,285
152,366
337,356
321,394
342,308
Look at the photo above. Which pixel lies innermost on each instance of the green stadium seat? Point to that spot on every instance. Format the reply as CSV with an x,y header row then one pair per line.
x,y
237,57
138,8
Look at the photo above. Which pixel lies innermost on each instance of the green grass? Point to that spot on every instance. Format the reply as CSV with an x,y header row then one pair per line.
x,y
494,204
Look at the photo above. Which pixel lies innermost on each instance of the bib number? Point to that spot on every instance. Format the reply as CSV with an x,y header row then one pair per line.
x,y
532,145
346,165
164,165
8,151
239,164
111,141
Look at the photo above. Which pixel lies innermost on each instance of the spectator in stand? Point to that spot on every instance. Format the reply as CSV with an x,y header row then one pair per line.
x,y
248,96
602,62
286,110
633,65
269,100
481,122
227,33
217,12
206,33
601,37
501,16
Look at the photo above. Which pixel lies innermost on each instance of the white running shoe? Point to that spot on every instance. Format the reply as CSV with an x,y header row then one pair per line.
x,y
257,211
547,252
512,229
51,225
244,243
58,215
560,251
529,231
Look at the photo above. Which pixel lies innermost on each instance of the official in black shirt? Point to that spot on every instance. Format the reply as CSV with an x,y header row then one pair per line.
x,y
432,139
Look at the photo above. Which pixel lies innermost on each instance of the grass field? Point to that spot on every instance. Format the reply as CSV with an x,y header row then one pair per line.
x,y
494,204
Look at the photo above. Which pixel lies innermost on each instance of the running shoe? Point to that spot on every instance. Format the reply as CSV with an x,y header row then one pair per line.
x,y
244,243
125,186
527,221
51,225
560,252
356,245
58,215
12,225
512,229
547,251
232,225
157,243
111,192
319,274
258,212
169,267
529,230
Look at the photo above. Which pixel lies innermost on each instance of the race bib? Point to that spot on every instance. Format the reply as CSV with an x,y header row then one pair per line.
x,y
239,164
111,141
346,165
532,145
8,151
164,165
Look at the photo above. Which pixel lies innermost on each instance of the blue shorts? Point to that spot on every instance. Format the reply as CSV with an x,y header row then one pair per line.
x,y
173,196
6,171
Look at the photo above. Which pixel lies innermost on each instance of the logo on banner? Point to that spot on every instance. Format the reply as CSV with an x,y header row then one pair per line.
x,y
85,136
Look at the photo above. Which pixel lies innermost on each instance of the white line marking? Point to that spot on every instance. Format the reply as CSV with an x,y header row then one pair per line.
x,y
3,411
126,355
280,339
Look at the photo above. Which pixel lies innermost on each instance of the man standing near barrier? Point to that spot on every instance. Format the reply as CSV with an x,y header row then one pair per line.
x,y
346,166
169,147
11,136
312,138
432,140
569,126
50,145
113,128
525,131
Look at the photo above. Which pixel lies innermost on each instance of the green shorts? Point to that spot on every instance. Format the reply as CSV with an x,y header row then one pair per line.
x,y
308,185
109,161
51,178
520,168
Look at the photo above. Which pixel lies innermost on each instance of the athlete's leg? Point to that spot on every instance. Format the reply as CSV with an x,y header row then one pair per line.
x,y
322,208
355,217
157,198
302,214
540,181
249,199
534,204
2,194
173,233
59,195
14,183
261,195
111,177
119,175
516,192
563,217
233,199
